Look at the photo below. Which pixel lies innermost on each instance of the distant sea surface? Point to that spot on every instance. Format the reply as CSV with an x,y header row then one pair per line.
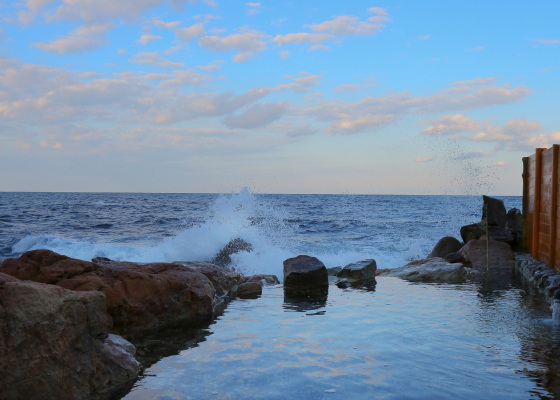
x,y
337,229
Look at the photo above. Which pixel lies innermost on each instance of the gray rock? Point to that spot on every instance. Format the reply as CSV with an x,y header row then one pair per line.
x,y
264,279
431,270
445,246
472,232
234,246
362,271
333,270
249,290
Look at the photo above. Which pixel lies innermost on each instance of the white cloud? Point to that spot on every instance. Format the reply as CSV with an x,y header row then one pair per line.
x,y
500,163
246,44
347,88
256,116
547,41
153,58
347,124
79,40
303,83
189,33
166,25
450,124
186,77
254,8
145,39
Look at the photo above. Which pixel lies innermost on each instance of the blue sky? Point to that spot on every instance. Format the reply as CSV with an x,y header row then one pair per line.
x,y
394,97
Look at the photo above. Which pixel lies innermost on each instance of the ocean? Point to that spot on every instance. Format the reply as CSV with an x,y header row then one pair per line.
x,y
145,227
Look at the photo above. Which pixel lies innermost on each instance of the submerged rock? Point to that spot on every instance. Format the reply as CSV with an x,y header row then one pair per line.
x,y
138,295
343,283
362,271
54,344
234,246
445,246
264,279
431,270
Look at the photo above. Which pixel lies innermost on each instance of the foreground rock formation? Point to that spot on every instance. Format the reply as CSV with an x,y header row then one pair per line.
x,y
56,315
54,344
138,296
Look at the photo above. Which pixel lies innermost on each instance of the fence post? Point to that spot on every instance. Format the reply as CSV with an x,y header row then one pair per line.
x,y
525,238
537,201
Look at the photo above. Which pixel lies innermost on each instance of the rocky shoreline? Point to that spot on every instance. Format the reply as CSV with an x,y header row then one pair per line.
x,y
70,328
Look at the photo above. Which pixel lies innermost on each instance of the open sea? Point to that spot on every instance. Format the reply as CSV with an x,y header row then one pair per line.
x,y
399,340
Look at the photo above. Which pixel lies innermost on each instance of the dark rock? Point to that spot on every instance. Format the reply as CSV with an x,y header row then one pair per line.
x,y
431,270
304,272
305,277
343,283
234,246
100,260
249,290
264,279
515,226
557,294
445,246
361,271
54,344
138,296
455,258
472,232
494,211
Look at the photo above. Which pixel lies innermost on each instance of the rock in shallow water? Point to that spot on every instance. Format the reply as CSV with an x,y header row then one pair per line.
x,y
362,271
430,270
249,290
54,344
305,276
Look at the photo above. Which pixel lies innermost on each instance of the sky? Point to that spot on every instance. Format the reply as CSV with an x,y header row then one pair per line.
x,y
357,97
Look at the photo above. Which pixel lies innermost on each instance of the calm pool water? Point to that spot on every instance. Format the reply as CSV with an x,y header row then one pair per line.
x,y
400,341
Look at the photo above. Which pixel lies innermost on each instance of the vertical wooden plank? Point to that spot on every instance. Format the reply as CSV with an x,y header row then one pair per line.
x,y
554,208
525,236
537,201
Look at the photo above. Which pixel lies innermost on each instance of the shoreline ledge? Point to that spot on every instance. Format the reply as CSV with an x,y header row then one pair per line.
x,y
64,322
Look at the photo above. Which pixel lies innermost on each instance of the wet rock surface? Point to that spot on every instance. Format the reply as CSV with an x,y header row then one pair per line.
x,y
445,246
362,271
138,296
431,270
305,276
249,290
55,344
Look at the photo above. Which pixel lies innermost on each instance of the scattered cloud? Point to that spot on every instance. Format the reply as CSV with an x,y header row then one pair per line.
x,y
246,44
500,163
154,59
256,116
339,26
254,8
285,54
145,39
424,37
347,124
547,41
424,159
189,33
347,88
81,39
121,51
166,25
450,124
303,83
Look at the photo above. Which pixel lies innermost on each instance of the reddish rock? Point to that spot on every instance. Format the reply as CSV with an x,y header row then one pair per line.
x,y
54,344
138,295
500,255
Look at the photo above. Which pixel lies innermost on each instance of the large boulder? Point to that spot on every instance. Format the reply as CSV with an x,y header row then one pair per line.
x,y
445,246
430,270
362,271
305,275
223,258
54,344
515,226
249,290
493,223
138,295
490,255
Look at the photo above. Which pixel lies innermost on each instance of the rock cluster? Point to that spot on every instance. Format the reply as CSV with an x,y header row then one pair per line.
x,y
486,254
539,273
58,316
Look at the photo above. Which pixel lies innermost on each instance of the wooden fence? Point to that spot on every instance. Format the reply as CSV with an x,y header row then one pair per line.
x,y
540,206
